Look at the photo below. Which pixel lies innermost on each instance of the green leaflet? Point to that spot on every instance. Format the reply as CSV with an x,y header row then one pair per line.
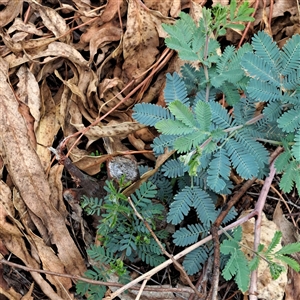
x,y
218,171
182,113
175,89
203,115
150,114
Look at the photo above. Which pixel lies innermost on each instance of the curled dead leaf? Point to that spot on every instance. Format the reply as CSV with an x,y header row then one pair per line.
x,y
11,9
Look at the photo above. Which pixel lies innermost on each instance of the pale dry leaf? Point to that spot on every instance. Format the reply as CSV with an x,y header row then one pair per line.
x,y
47,127
27,173
19,25
196,11
121,130
10,10
29,120
222,2
28,92
144,134
10,293
5,198
140,42
164,7
52,20
49,68
111,10
89,164
99,36
56,187
289,234
28,295
20,206
139,145
280,8
19,36
12,238
292,290
52,263
53,51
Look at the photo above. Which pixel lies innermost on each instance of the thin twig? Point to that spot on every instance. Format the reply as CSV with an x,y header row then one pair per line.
x,y
214,230
175,262
95,282
248,25
258,208
178,256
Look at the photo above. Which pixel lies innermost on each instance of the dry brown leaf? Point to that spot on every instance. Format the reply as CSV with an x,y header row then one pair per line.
x,y
12,238
55,183
110,10
289,234
47,127
52,263
29,178
140,42
52,20
172,6
29,93
10,293
292,290
10,10
19,25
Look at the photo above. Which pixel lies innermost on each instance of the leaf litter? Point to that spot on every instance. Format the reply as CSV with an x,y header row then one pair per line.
x,y
70,69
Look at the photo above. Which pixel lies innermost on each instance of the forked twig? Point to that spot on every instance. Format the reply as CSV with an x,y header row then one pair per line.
x,y
175,262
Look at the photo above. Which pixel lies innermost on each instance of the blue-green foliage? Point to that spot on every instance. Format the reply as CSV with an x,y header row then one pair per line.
x,y
104,264
120,230
237,265
211,140
233,139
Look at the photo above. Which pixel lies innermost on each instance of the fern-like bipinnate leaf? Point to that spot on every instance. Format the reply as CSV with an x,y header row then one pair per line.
x,y
175,89
275,241
267,49
188,235
204,206
243,161
260,69
282,161
174,168
225,58
289,249
231,93
192,197
290,55
203,115
289,176
289,261
149,114
237,265
254,148
181,206
219,169
190,141
148,256
182,37
194,260
289,121
183,114
262,91
220,117
173,127
162,142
